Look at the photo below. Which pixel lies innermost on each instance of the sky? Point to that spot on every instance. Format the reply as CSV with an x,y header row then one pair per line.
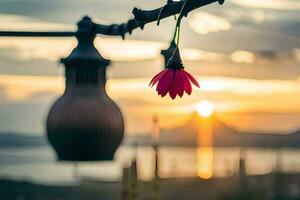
x,y
245,55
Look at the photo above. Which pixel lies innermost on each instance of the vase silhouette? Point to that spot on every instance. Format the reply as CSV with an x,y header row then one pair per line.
x,y
85,124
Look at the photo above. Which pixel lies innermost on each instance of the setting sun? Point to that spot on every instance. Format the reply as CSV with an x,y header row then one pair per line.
x,y
205,108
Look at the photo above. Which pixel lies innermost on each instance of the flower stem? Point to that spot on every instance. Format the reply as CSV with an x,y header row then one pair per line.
x,y
176,36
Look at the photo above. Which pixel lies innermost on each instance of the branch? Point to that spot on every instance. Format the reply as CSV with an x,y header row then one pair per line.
x,y
143,17
119,29
170,9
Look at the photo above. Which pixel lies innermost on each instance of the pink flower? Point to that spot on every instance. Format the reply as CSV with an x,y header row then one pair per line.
x,y
174,81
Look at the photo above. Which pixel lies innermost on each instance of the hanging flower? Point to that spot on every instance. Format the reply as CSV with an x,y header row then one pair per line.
x,y
174,79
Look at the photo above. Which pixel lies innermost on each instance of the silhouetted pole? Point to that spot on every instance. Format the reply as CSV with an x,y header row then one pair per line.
x,y
277,175
156,167
278,161
130,182
130,178
133,180
242,169
126,184
156,135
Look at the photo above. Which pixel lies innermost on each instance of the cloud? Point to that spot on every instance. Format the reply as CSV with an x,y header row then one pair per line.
x,y
25,23
258,16
266,56
37,48
249,86
18,88
190,54
244,16
292,29
296,53
291,56
54,48
269,4
204,23
128,50
242,57
115,49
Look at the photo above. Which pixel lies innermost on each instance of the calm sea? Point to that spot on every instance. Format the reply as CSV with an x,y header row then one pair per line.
x,y
40,165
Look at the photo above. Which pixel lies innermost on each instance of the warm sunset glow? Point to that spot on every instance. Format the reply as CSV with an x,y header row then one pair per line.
x,y
205,108
205,162
205,153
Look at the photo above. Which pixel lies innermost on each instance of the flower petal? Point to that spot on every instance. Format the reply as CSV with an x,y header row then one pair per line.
x,y
164,83
156,78
192,79
152,80
173,86
180,83
186,84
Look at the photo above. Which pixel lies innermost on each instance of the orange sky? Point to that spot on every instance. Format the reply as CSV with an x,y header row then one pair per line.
x,y
228,95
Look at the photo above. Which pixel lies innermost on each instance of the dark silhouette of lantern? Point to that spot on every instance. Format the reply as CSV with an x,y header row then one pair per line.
x,y
85,124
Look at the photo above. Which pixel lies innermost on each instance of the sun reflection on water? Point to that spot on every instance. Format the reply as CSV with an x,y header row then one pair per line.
x,y
205,153
205,162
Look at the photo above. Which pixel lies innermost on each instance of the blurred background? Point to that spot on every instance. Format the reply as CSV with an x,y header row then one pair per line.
x,y
245,55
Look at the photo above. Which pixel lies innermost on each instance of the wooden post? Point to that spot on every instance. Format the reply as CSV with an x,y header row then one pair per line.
x,y
156,136
125,184
133,180
130,182
242,169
